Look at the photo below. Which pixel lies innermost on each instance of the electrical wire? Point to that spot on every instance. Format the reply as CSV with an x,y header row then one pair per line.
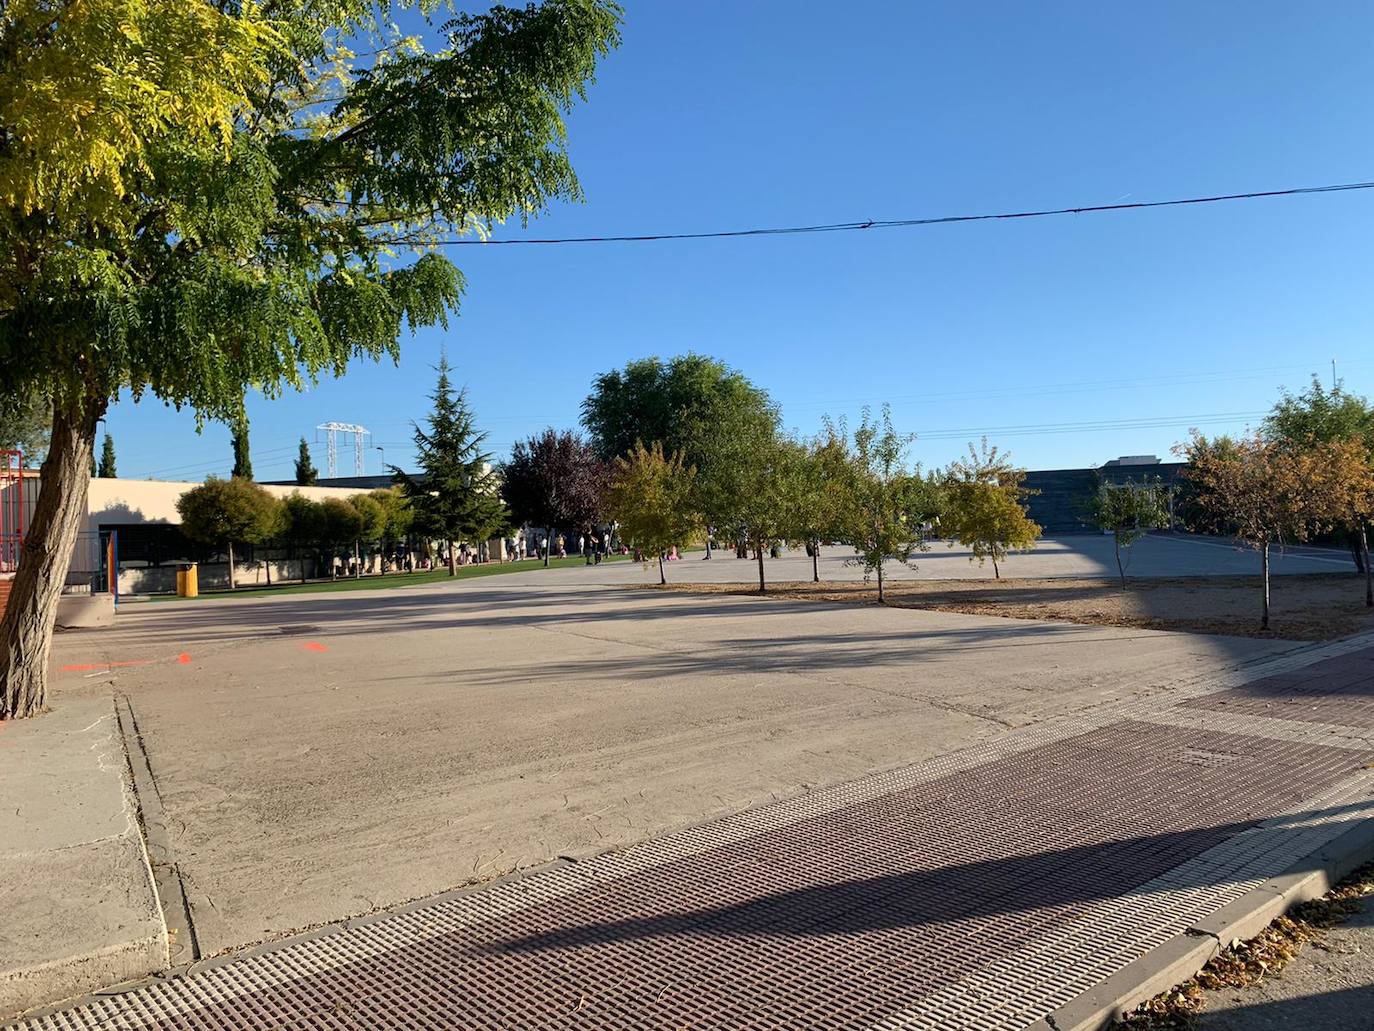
x,y
908,223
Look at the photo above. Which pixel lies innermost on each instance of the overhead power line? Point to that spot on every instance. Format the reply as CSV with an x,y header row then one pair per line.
x,y
908,223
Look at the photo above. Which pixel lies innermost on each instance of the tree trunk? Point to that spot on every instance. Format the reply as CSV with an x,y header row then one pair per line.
x,y
1264,568
229,546
1119,567
31,612
548,546
762,587
452,560
1368,573
268,563
816,562
661,578
880,582
357,562
996,573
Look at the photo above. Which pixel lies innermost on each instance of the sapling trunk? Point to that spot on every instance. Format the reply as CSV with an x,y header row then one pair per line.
x,y
229,547
816,562
1264,572
661,578
762,587
1368,573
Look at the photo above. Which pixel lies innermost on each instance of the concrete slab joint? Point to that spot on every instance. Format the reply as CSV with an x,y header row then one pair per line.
x,y
81,910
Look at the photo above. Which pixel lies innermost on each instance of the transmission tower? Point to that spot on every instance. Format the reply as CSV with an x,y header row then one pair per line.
x,y
332,431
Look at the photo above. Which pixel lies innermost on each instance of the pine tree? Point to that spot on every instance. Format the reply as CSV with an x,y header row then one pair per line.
x,y
306,473
458,498
243,462
107,459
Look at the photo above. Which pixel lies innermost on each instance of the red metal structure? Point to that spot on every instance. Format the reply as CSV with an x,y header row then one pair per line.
x,y
12,509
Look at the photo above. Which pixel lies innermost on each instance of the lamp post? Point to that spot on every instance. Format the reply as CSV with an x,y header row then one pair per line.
x,y
383,451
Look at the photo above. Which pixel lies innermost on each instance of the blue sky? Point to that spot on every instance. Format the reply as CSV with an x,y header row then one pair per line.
x,y
718,115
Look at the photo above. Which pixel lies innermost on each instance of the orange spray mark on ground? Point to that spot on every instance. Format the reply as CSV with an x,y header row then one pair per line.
x,y
314,646
86,667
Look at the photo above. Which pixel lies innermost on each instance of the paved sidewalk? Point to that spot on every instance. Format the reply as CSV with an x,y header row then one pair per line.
x,y
982,889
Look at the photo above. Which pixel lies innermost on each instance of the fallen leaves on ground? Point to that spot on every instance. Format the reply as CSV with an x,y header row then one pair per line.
x,y
1246,963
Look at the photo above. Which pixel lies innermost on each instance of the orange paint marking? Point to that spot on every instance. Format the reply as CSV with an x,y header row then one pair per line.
x,y
86,667
82,667
314,646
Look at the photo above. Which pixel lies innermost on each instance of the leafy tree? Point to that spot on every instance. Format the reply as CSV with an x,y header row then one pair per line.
x,y
554,479
884,503
1267,493
692,405
223,512
1318,415
986,514
653,497
201,197
1128,511
25,425
303,526
1345,494
306,473
759,486
821,491
458,498
397,515
243,461
107,459
340,525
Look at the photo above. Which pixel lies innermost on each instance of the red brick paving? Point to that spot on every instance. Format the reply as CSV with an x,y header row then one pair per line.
x,y
834,921
1338,691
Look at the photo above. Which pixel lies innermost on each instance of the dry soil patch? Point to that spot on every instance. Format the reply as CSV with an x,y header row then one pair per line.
x,y
1308,607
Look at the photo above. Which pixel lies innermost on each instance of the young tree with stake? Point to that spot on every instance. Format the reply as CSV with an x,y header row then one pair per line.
x,y
653,497
986,514
1128,511
1267,493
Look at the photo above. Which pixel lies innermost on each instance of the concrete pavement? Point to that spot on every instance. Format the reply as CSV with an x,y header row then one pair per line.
x,y
325,755
996,886
80,910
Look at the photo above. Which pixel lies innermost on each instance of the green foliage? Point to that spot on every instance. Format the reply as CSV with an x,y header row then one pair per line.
x,y
228,511
694,406
372,517
652,496
106,469
398,517
25,425
243,461
458,498
880,504
306,473
985,511
1128,511
760,478
1321,415
302,520
200,199
340,522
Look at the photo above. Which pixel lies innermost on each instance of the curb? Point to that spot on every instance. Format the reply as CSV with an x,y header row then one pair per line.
x,y
86,913
1183,955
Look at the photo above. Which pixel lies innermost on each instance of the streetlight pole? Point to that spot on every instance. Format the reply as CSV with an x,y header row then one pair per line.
x,y
383,451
